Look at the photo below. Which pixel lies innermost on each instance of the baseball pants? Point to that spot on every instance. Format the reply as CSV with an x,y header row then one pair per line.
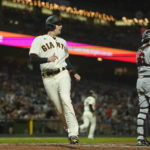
x,y
89,119
143,90
58,90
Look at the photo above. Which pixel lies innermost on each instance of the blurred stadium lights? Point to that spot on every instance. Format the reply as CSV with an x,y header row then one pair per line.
x,y
60,2
46,11
66,11
16,22
9,3
55,6
120,71
99,59
130,22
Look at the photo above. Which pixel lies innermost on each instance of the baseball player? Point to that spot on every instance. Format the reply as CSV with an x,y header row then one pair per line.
x,y
143,87
51,53
89,117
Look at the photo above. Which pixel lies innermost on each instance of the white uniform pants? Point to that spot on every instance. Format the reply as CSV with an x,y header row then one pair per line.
x,y
89,119
58,90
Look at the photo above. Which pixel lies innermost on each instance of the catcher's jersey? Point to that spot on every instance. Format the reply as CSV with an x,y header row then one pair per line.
x,y
89,101
46,46
143,60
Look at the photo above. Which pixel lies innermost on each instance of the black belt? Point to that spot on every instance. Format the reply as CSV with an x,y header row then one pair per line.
x,y
144,76
48,73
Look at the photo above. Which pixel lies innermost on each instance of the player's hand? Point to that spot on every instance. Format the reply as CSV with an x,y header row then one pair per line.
x,y
52,58
77,77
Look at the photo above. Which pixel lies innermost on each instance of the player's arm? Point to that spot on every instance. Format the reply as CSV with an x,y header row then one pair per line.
x,y
70,67
91,105
35,59
91,108
38,60
34,53
72,70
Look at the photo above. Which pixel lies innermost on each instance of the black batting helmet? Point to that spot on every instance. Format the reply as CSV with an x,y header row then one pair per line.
x,y
51,22
146,36
91,92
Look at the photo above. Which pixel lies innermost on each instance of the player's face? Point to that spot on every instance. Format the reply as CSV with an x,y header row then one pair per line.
x,y
58,29
94,95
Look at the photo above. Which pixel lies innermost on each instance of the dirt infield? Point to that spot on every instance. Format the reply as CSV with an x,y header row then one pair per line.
x,y
56,146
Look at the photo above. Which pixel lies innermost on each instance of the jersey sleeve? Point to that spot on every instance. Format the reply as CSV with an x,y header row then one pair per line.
x,y
35,47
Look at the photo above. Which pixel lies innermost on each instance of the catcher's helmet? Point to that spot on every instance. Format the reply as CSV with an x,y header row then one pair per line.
x,y
146,36
51,22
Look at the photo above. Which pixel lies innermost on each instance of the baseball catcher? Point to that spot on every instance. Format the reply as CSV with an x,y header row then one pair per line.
x,y
143,87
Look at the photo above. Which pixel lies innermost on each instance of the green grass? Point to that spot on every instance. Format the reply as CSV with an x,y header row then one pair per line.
x,y
64,139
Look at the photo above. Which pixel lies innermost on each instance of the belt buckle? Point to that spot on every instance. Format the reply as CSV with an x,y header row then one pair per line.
x,y
140,77
52,72
55,71
48,73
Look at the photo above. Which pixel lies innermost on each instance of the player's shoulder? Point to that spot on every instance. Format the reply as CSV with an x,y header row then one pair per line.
x,y
89,98
38,37
41,36
145,46
61,39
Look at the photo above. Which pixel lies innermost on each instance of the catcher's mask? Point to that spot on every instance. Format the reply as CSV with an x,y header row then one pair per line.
x,y
145,36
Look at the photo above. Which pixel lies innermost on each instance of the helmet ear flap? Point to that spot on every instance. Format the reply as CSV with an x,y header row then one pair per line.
x,y
50,27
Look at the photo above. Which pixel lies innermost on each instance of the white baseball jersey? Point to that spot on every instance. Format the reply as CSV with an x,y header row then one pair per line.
x,y
46,46
143,60
89,101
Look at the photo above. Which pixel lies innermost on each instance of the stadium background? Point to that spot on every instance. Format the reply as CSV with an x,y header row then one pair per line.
x,y
24,107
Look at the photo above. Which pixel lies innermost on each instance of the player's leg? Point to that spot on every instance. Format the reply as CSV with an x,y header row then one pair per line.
x,y
64,91
146,127
92,127
142,115
143,111
147,95
52,91
141,119
86,122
